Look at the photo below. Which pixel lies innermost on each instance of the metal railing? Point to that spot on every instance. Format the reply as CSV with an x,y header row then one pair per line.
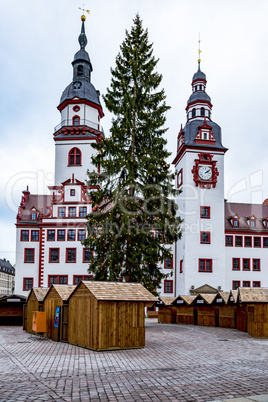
x,y
82,122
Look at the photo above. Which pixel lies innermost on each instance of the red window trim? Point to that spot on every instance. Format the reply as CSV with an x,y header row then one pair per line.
x,y
68,231
244,284
64,212
76,154
205,217
63,230
74,117
71,216
24,283
72,190
205,259
80,212
84,250
171,263
203,242
54,262
83,277
81,230
256,259
29,262
66,259
181,266
77,110
248,264
241,241
165,281
32,234
180,176
239,265
252,220
58,279
23,230
250,237
259,282
235,219
227,245
233,284
256,237
51,230
264,237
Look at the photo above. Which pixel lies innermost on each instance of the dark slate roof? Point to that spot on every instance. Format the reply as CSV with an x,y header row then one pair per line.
x,y
191,130
82,54
86,91
6,267
244,212
199,74
199,95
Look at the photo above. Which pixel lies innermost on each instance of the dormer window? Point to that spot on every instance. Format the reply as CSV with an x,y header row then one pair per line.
x,y
265,223
80,70
252,223
33,216
235,221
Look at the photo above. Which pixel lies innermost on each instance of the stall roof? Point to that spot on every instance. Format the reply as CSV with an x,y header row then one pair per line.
x,y
119,291
225,296
63,291
40,293
7,298
209,298
188,299
167,300
249,295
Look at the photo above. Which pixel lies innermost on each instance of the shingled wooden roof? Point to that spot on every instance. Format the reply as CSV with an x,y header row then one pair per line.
x,y
209,298
40,293
225,296
248,295
119,291
167,300
63,291
188,299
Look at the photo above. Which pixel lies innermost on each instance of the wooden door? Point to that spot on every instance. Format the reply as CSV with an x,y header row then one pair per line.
x,y
64,322
25,317
131,325
56,329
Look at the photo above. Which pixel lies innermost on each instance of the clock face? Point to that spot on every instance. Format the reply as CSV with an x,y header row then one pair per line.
x,y
205,172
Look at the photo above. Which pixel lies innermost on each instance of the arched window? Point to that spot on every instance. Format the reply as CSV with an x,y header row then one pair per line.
x,y
202,111
76,121
75,157
193,113
80,70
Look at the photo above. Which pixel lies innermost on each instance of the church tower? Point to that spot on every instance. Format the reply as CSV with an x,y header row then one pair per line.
x,y
81,112
199,169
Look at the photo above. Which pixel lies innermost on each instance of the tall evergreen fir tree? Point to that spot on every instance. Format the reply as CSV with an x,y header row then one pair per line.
x,y
134,216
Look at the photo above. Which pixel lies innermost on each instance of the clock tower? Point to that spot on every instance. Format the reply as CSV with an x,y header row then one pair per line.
x,y
199,172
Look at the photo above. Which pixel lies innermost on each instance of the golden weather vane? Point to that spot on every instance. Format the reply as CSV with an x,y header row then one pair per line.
x,y
83,18
199,51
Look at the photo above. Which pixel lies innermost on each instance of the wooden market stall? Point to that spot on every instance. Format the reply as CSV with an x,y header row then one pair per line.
x,y
226,314
256,302
11,309
186,313
241,312
206,310
35,302
108,315
166,311
56,308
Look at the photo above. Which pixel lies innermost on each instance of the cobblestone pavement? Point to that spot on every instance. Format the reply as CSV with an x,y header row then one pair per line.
x,y
179,363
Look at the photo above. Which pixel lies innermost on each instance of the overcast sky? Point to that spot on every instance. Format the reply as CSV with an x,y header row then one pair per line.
x,y
37,45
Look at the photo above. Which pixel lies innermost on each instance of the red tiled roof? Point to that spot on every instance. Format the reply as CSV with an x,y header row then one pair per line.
x,y
39,202
244,212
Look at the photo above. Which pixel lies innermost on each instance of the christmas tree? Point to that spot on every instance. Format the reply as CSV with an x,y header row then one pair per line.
x,y
134,217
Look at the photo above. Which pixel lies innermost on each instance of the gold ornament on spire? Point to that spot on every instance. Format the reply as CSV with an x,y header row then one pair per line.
x,y
199,51
83,17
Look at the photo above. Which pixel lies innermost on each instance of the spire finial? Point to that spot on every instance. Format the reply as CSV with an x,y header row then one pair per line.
x,y
82,37
199,52
83,17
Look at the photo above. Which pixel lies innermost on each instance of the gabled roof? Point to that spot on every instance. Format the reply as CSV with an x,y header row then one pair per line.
x,y
248,295
208,298
20,298
234,294
225,296
40,293
204,289
63,291
187,299
119,291
244,213
39,202
167,300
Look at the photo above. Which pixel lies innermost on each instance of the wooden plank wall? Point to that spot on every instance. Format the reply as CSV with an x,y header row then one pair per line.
x,y
227,315
241,318
257,320
206,315
185,315
50,303
166,314
32,305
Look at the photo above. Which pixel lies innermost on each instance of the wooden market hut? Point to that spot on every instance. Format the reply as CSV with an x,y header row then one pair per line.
x,y
186,313
225,311
206,310
166,311
256,302
57,297
35,302
241,312
11,309
108,315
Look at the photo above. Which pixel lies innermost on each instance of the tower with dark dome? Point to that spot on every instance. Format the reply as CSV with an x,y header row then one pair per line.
x,y
199,168
81,112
